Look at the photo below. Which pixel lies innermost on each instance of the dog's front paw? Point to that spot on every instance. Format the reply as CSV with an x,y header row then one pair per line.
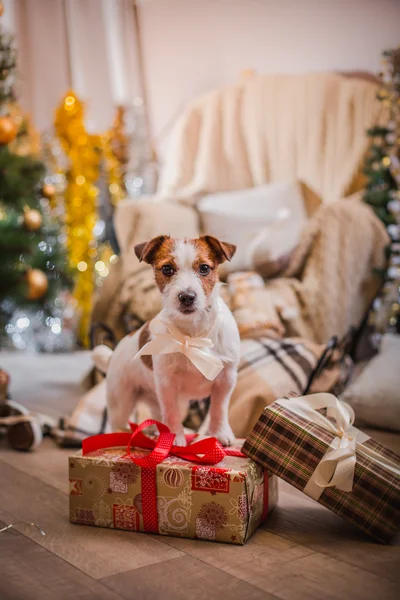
x,y
180,440
224,435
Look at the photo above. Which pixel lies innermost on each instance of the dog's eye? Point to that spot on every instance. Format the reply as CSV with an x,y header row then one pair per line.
x,y
167,270
204,269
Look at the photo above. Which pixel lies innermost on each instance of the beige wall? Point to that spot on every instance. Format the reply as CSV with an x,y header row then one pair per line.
x,y
193,45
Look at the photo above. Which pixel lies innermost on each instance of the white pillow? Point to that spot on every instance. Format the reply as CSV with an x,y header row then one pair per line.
x,y
375,394
264,222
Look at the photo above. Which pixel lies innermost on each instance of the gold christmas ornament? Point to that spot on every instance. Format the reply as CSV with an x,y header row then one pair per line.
x,y
37,284
8,130
1,9
32,219
48,191
28,141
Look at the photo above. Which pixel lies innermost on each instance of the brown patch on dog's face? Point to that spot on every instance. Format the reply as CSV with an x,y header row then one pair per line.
x,y
157,253
205,257
162,260
147,250
222,251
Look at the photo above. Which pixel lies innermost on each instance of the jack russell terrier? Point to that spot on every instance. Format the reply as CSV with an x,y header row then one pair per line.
x,y
190,351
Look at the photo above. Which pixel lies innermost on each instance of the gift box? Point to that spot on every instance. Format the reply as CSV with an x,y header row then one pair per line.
x,y
311,443
200,491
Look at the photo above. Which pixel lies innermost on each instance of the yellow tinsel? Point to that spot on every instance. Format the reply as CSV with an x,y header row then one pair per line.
x,y
115,147
84,152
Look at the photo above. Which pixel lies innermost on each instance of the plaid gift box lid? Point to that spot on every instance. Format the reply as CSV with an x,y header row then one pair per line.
x,y
310,443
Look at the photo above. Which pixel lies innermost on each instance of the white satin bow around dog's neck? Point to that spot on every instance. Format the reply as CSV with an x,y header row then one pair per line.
x,y
196,349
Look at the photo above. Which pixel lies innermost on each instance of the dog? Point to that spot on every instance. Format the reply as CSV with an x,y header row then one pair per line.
x,y
185,272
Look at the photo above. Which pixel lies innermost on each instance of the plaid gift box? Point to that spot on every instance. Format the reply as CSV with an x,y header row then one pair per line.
x,y
171,490
310,443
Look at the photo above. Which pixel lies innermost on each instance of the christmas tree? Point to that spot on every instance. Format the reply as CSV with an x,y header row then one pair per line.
x,y
382,192
32,265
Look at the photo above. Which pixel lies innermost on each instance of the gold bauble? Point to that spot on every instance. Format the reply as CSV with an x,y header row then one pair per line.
x,y
1,9
37,284
32,219
8,130
48,190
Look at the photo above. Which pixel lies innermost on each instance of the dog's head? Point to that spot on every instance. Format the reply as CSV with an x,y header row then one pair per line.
x,y
185,270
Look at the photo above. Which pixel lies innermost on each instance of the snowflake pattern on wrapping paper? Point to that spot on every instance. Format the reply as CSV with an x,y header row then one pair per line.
x,y
118,482
126,517
102,514
209,479
84,516
75,487
205,530
213,513
95,484
242,507
121,476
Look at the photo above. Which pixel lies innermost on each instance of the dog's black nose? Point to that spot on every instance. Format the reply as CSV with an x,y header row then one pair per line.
x,y
187,298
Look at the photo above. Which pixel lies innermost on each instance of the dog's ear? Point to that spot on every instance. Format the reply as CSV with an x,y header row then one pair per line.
x,y
147,250
222,250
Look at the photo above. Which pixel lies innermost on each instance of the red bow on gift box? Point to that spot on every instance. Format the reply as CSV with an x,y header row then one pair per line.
x,y
207,451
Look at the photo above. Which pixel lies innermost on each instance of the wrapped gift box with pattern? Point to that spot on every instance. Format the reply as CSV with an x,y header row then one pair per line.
x,y
200,491
311,443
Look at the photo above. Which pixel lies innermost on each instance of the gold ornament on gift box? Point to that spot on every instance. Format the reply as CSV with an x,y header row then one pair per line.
x,y
8,130
32,219
37,284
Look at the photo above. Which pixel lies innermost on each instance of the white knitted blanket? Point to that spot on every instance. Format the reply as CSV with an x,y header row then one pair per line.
x,y
272,127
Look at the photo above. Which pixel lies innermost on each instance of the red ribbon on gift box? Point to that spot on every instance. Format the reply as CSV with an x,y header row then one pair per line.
x,y
208,452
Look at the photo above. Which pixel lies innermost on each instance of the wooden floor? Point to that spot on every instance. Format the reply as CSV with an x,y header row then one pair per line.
x,y
302,552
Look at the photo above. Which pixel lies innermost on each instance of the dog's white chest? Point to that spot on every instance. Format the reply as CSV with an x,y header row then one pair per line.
x,y
185,377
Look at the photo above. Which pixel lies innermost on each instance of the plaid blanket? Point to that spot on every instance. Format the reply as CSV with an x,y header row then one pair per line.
x,y
268,369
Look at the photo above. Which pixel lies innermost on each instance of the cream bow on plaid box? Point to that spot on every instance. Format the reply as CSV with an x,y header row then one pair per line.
x,y
196,349
336,468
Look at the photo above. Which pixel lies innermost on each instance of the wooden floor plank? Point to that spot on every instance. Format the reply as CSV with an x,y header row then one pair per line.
x,y
96,551
30,572
48,463
291,571
303,521
184,578
272,548
314,577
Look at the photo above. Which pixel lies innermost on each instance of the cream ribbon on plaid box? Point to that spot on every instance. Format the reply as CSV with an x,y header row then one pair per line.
x,y
336,469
